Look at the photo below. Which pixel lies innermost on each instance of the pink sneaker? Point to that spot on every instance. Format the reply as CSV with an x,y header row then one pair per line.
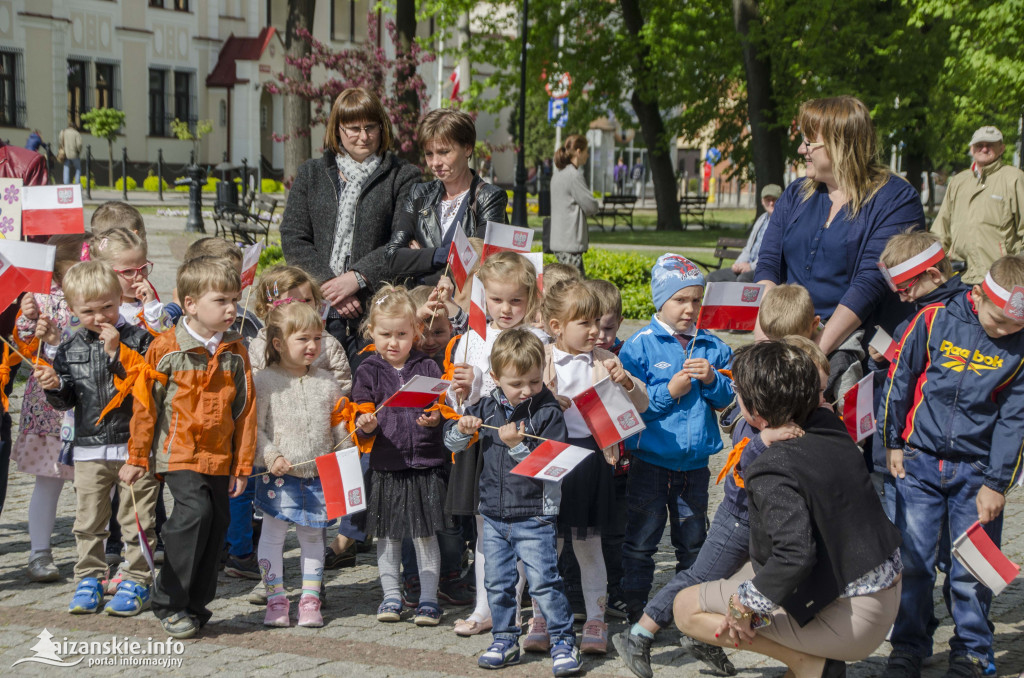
x,y
309,611
277,612
595,637
537,638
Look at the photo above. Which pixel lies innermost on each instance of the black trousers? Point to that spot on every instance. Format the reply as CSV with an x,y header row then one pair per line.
x,y
193,539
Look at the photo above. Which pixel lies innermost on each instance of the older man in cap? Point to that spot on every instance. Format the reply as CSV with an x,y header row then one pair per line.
x,y
742,269
982,215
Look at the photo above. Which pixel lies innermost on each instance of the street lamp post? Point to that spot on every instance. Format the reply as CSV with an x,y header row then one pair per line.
x,y
519,192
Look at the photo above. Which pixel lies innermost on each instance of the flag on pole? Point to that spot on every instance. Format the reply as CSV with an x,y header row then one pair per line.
x,y
147,552
47,210
609,413
858,410
12,282
978,553
912,267
420,391
478,308
730,306
461,257
551,461
884,344
456,79
33,260
502,237
537,259
250,260
341,476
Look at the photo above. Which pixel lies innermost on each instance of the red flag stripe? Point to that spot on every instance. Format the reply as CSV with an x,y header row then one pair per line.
x,y
411,399
728,317
540,457
987,548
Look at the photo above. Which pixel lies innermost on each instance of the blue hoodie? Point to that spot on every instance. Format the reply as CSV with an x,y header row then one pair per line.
x,y
681,433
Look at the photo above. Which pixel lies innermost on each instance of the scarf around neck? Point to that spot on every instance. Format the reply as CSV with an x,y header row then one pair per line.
x,y
355,175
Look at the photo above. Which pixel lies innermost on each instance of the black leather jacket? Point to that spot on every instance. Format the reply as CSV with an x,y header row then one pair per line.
x,y
417,219
87,385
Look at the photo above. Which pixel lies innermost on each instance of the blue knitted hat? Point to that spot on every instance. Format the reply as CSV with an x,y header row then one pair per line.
x,y
670,274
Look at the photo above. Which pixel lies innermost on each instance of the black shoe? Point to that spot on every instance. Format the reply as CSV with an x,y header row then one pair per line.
x,y
833,669
616,606
336,561
365,546
453,591
635,651
243,568
411,591
710,655
902,665
965,666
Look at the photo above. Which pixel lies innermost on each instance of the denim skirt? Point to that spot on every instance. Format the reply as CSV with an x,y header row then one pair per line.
x,y
296,500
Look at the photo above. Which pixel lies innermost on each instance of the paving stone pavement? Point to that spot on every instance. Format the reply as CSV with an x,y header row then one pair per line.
x,y
351,643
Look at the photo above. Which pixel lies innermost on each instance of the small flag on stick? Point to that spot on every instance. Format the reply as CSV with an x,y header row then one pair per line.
x,y
730,306
47,210
505,238
609,413
147,552
478,308
978,553
342,479
34,261
420,391
858,410
884,344
250,261
461,257
551,461
12,282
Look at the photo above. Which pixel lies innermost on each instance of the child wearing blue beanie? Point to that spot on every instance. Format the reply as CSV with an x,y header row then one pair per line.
x,y
669,475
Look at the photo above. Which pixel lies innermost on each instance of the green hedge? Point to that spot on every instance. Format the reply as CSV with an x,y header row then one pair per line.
x,y
152,182
270,256
132,184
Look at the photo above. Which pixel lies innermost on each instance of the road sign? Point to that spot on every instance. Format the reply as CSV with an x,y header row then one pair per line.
x,y
558,111
558,86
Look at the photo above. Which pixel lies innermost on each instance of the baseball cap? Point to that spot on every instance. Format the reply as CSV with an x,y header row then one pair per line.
x,y
988,133
771,191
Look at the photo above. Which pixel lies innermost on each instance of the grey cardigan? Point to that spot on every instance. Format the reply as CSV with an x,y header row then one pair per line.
x,y
310,215
571,204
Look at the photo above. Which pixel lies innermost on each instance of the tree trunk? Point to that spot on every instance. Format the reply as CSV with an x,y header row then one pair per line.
x,y
652,126
767,136
297,147
913,163
405,23
110,167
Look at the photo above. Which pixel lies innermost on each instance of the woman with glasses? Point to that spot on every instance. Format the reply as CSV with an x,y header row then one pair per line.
x,y
456,198
829,228
340,210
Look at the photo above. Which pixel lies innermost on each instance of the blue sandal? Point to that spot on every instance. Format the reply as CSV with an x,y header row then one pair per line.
x,y
427,614
390,610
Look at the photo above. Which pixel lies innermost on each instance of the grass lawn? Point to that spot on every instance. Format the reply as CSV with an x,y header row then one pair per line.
x,y
729,223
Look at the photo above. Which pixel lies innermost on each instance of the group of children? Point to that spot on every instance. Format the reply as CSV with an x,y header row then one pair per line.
x,y
194,394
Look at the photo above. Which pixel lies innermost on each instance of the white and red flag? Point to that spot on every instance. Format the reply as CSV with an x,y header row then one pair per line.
x,y
858,409
33,260
341,476
884,344
456,79
250,261
461,257
478,308
609,413
537,259
978,553
912,267
47,210
730,306
1011,301
420,391
502,237
12,282
551,461
147,551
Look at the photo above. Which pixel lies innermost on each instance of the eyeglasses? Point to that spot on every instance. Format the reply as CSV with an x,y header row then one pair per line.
x,y
355,131
905,287
811,145
132,273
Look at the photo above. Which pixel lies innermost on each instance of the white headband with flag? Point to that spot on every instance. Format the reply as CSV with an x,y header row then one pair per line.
x,y
1012,302
912,267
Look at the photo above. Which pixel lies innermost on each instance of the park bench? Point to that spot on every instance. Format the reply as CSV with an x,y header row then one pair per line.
x,y
245,223
725,248
617,207
693,206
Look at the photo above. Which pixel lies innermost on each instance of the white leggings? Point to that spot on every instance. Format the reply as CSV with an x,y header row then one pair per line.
x,y
42,513
593,574
271,555
482,612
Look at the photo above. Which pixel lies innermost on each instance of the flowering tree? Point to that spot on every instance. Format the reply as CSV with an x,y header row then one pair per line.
x,y
395,80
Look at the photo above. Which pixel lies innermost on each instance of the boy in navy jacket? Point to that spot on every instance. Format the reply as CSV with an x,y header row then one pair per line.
x,y
952,420
668,473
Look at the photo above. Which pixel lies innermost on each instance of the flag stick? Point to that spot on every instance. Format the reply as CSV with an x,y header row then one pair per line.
x,y
39,351
696,328
433,313
142,535
245,306
11,346
527,435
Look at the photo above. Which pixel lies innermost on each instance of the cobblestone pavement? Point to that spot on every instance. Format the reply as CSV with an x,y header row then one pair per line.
x,y
352,643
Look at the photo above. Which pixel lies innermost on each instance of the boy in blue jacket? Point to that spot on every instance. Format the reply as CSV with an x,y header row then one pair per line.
x,y
952,420
669,460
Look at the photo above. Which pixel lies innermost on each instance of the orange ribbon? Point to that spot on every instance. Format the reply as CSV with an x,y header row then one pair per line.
x,y
9,361
349,413
138,381
733,462
369,348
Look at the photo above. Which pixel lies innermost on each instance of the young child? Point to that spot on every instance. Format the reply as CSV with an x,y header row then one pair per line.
x,y
518,513
126,253
611,315
407,455
42,431
556,272
951,418
572,365
199,432
437,323
117,214
83,378
294,403
510,283
668,474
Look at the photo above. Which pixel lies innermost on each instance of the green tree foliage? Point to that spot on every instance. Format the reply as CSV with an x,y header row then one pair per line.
x,y
182,130
105,123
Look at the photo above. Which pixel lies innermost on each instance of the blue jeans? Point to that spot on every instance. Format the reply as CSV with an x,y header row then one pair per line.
x,y
937,493
239,536
654,494
532,540
77,162
724,552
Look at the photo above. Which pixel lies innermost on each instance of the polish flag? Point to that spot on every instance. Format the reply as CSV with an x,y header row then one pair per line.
x,y
33,260
551,461
420,391
147,551
537,259
884,344
250,260
461,257
978,553
47,210
12,282
478,308
730,306
858,409
1011,301
609,413
341,476
912,267
501,237
456,79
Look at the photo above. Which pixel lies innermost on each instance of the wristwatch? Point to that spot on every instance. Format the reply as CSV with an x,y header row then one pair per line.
x,y
735,613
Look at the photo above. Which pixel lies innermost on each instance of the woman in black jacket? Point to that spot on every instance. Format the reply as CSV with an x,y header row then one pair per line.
x,y
823,584
456,198
340,210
